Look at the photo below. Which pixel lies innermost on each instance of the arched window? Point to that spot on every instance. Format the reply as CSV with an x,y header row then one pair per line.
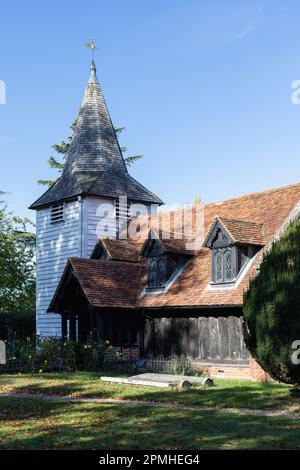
x,y
224,269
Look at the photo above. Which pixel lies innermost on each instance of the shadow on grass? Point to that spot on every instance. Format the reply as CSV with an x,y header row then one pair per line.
x,y
223,394
260,396
35,425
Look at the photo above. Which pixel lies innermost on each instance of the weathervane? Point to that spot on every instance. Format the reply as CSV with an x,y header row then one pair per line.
x,y
91,45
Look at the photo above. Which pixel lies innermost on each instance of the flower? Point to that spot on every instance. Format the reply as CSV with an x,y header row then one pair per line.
x,y
40,371
110,346
29,356
28,339
106,341
85,346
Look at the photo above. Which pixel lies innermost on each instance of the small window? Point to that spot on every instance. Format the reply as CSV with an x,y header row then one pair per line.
x,y
57,213
157,272
160,269
224,265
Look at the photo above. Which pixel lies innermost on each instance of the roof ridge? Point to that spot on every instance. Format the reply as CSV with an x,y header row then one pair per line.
x,y
267,191
239,220
104,261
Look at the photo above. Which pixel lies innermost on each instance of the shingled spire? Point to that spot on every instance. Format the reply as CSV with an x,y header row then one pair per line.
x,y
95,145
94,164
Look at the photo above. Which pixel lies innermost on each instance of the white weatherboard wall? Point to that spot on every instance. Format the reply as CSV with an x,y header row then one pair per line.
x,y
99,221
55,244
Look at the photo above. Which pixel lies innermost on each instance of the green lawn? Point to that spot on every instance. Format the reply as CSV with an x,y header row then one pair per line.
x,y
225,393
33,424
28,424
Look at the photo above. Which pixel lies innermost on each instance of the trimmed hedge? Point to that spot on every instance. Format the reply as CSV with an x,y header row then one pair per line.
x,y
272,308
22,324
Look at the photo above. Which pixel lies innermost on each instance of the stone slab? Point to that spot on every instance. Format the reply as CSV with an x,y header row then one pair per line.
x,y
160,380
171,378
132,381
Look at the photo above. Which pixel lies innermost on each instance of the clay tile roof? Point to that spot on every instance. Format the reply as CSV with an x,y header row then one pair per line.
x,y
122,283
109,283
244,232
177,246
121,249
191,289
241,231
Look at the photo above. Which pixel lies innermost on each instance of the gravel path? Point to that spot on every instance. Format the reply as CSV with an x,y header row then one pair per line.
x,y
287,414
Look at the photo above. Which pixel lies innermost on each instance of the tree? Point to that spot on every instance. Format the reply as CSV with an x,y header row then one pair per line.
x,y
63,148
17,266
271,309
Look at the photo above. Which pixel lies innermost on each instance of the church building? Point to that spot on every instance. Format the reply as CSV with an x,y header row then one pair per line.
x,y
150,295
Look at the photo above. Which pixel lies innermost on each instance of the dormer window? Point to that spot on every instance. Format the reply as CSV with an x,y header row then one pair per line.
x,y
233,243
57,213
165,262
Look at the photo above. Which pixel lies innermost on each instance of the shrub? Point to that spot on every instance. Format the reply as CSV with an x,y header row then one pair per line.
x,y
177,365
22,355
90,355
271,308
35,354
40,355
181,365
52,350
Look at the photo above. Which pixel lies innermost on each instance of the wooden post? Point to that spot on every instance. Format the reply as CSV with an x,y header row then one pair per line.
x,y
73,326
64,329
93,326
64,333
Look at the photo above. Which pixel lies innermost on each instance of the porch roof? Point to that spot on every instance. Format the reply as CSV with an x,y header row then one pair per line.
x,y
104,283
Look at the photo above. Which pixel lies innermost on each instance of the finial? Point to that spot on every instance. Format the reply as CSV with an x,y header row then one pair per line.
x,y
91,45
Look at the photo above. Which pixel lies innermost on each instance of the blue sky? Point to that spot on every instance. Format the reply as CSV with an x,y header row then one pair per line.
x,y
203,88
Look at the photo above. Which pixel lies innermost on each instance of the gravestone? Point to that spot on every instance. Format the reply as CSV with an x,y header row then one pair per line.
x,y
2,353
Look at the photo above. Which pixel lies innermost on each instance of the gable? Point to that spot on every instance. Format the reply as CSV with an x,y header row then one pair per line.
x,y
218,236
152,248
